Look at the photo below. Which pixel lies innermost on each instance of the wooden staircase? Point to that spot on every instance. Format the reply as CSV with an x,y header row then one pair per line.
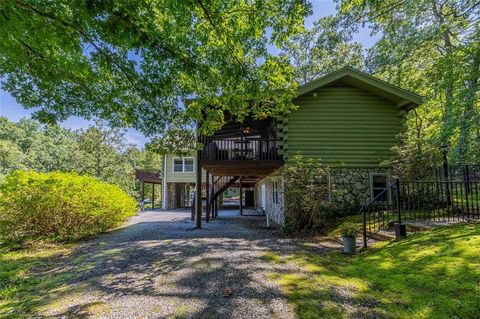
x,y
214,191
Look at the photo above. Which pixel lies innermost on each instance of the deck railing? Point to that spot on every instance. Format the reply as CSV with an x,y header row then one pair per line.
x,y
242,149
426,201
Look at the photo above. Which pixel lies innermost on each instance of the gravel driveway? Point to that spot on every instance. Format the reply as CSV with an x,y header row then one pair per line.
x,y
156,268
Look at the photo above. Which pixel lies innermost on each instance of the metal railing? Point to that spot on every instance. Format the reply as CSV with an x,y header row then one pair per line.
x,y
425,201
246,149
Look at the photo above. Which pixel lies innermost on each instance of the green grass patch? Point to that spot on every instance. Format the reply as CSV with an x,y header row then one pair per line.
x,y
434,274
23,285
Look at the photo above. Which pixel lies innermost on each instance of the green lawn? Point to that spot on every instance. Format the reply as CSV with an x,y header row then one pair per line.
x,y
433,274
23,284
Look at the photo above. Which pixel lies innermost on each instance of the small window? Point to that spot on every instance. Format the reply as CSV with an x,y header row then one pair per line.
x,y
183,165
178,165
378,183
275,192
188,165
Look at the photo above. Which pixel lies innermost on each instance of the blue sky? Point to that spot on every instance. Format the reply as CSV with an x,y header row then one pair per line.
x,y
13,111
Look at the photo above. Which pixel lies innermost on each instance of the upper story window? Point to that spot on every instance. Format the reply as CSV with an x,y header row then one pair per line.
x,y
183,165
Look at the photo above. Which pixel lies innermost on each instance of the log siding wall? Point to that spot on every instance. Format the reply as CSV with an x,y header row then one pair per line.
x,y
344,126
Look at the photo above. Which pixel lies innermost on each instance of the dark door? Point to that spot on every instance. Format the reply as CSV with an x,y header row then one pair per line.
x,y
249,198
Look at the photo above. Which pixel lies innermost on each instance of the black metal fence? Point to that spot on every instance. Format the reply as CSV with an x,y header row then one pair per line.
x,y
432,201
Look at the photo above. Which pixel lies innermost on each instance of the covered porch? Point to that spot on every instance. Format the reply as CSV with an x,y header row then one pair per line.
x,y
239,155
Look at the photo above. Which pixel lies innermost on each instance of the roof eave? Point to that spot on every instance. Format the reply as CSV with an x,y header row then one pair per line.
x,y
414,99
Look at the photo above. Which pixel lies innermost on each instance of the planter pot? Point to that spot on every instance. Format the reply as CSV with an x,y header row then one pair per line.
x,y
349,244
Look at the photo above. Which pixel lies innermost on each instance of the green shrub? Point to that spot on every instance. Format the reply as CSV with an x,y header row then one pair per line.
x,y
307,195
59,206
348,230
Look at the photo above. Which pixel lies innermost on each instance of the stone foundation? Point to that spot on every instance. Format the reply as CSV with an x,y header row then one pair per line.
x,y
353,185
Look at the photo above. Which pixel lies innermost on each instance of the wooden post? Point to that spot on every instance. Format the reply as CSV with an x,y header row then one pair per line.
x,y
241,197
214,209
207,193
212,203
153,196
198,193
142,194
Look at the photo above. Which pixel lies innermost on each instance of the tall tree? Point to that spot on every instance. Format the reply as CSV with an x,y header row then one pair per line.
x,y
133,62
429,46
324,48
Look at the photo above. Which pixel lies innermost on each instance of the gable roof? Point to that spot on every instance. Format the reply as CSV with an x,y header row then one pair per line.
x,y
350,76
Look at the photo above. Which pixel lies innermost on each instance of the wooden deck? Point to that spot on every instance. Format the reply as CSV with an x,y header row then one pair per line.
x,y
241,167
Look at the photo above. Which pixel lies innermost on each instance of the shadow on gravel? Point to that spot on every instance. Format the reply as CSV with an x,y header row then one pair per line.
x,y
207,273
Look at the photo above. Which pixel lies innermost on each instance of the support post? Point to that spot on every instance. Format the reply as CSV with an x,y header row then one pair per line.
x,y
198,193
241,197
142,195
400,229
397,201
212,204
192,208
153,196
207,193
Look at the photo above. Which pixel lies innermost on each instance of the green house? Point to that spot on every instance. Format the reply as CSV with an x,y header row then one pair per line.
x,y
347,120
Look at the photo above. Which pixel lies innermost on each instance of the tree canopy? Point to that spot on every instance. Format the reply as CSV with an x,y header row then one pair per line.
x,y
431,47
98,151
132,63
324,48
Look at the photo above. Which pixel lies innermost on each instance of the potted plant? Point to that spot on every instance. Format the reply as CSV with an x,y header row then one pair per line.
x,y
349,232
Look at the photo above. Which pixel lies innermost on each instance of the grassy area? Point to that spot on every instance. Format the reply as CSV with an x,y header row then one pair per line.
x,y
334,230
23,284
434,274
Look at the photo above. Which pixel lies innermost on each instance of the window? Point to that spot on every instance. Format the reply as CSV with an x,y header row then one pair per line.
x,y
188,164
183,165
378,183
275,192
177,165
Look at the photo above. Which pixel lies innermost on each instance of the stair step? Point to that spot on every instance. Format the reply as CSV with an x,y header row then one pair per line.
x,y
383,235
416,228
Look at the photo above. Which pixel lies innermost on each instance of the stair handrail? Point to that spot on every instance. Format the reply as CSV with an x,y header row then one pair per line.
x,y
363,210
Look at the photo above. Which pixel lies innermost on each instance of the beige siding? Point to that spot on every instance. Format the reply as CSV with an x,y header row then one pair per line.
x,y
176,177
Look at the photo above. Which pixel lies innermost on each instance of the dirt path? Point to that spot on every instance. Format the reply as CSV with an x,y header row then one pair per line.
x,y
156,268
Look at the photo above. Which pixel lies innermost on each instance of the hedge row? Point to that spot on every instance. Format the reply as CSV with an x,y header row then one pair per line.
x,y
59,206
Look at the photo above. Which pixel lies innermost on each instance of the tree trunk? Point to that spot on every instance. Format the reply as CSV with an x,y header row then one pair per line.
x,y
471,88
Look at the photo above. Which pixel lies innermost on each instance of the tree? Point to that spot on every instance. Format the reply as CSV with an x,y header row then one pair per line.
x,y
98,151
133,63
323,49
10,157
431,47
